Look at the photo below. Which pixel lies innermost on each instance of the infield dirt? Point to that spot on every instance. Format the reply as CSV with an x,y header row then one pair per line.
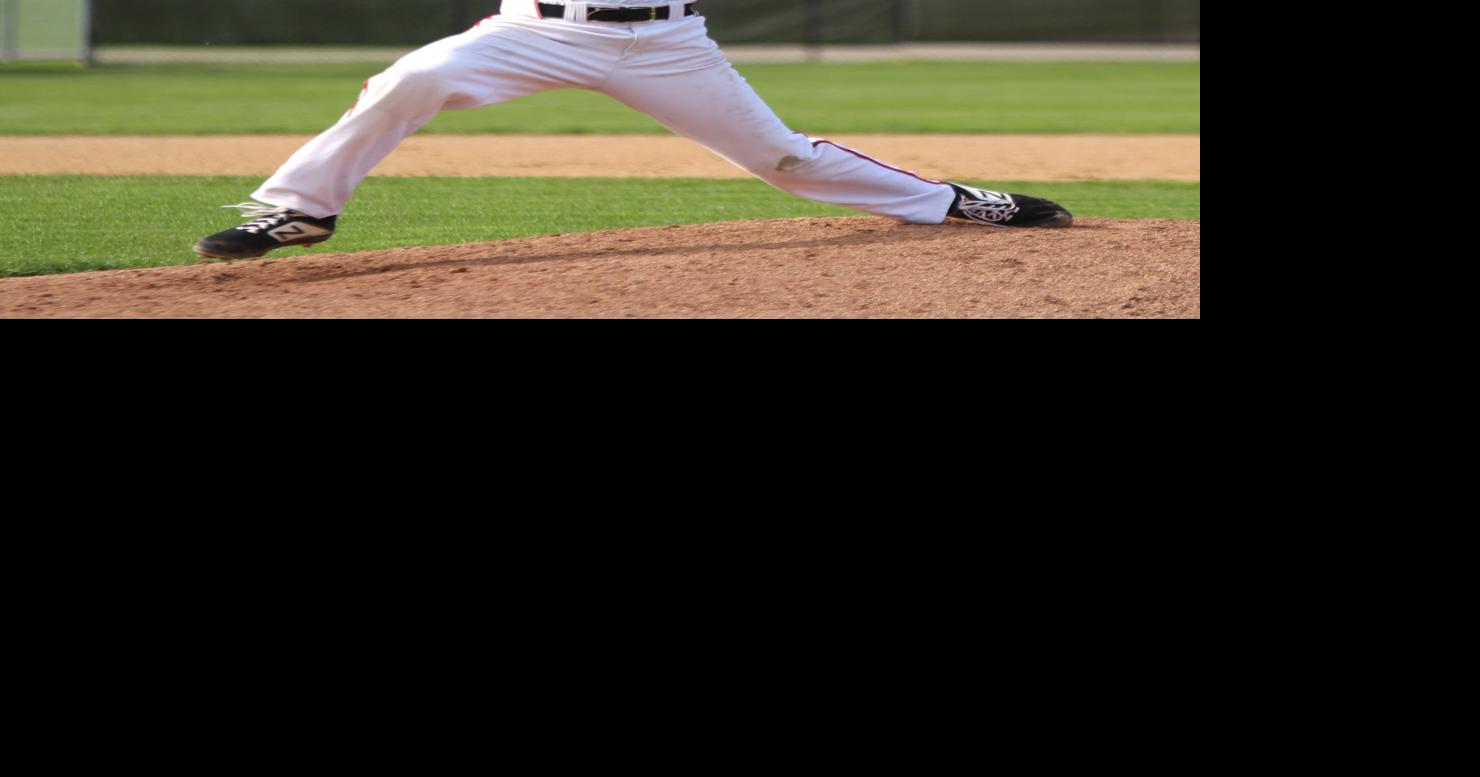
x,y
799,268
978,157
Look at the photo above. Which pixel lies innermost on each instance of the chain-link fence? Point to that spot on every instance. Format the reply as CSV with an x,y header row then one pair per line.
x,y
405,22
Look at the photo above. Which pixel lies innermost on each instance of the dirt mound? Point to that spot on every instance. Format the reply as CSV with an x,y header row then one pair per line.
x,y
799,268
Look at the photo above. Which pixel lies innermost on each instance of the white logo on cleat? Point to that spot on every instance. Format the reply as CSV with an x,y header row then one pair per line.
x,y
987,206
291,231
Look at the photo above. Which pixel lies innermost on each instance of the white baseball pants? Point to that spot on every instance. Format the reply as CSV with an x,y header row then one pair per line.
x,y
669,70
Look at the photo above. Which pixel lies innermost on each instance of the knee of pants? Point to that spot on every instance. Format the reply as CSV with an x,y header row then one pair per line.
x,y
411,89
790,156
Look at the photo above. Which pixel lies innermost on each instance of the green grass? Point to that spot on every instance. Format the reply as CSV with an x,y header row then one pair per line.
x,y
58,224
966,97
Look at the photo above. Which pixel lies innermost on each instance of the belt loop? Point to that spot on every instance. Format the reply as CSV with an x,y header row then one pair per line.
x,y
675,10
576,12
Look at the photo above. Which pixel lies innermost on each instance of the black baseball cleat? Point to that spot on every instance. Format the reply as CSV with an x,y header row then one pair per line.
x,y
1007,210
270,229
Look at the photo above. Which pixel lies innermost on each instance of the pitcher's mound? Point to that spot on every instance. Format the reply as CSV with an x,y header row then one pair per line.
x,y
814,268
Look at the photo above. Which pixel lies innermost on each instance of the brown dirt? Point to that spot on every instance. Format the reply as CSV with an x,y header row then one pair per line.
x,y
800,268
987,157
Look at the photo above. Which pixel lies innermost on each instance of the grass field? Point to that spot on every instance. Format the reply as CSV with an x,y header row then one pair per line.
x,y
944,97
72,223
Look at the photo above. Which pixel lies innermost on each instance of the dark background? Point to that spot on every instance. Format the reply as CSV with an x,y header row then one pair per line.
x,y
407,22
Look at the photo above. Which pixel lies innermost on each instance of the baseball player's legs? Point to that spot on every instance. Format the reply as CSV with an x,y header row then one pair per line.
x,y
677,75
497,61
668,69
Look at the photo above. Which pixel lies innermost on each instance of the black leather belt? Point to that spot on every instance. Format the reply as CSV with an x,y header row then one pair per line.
x,y
628,15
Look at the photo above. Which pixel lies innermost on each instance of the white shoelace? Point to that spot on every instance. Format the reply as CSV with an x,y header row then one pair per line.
x,y
265,216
